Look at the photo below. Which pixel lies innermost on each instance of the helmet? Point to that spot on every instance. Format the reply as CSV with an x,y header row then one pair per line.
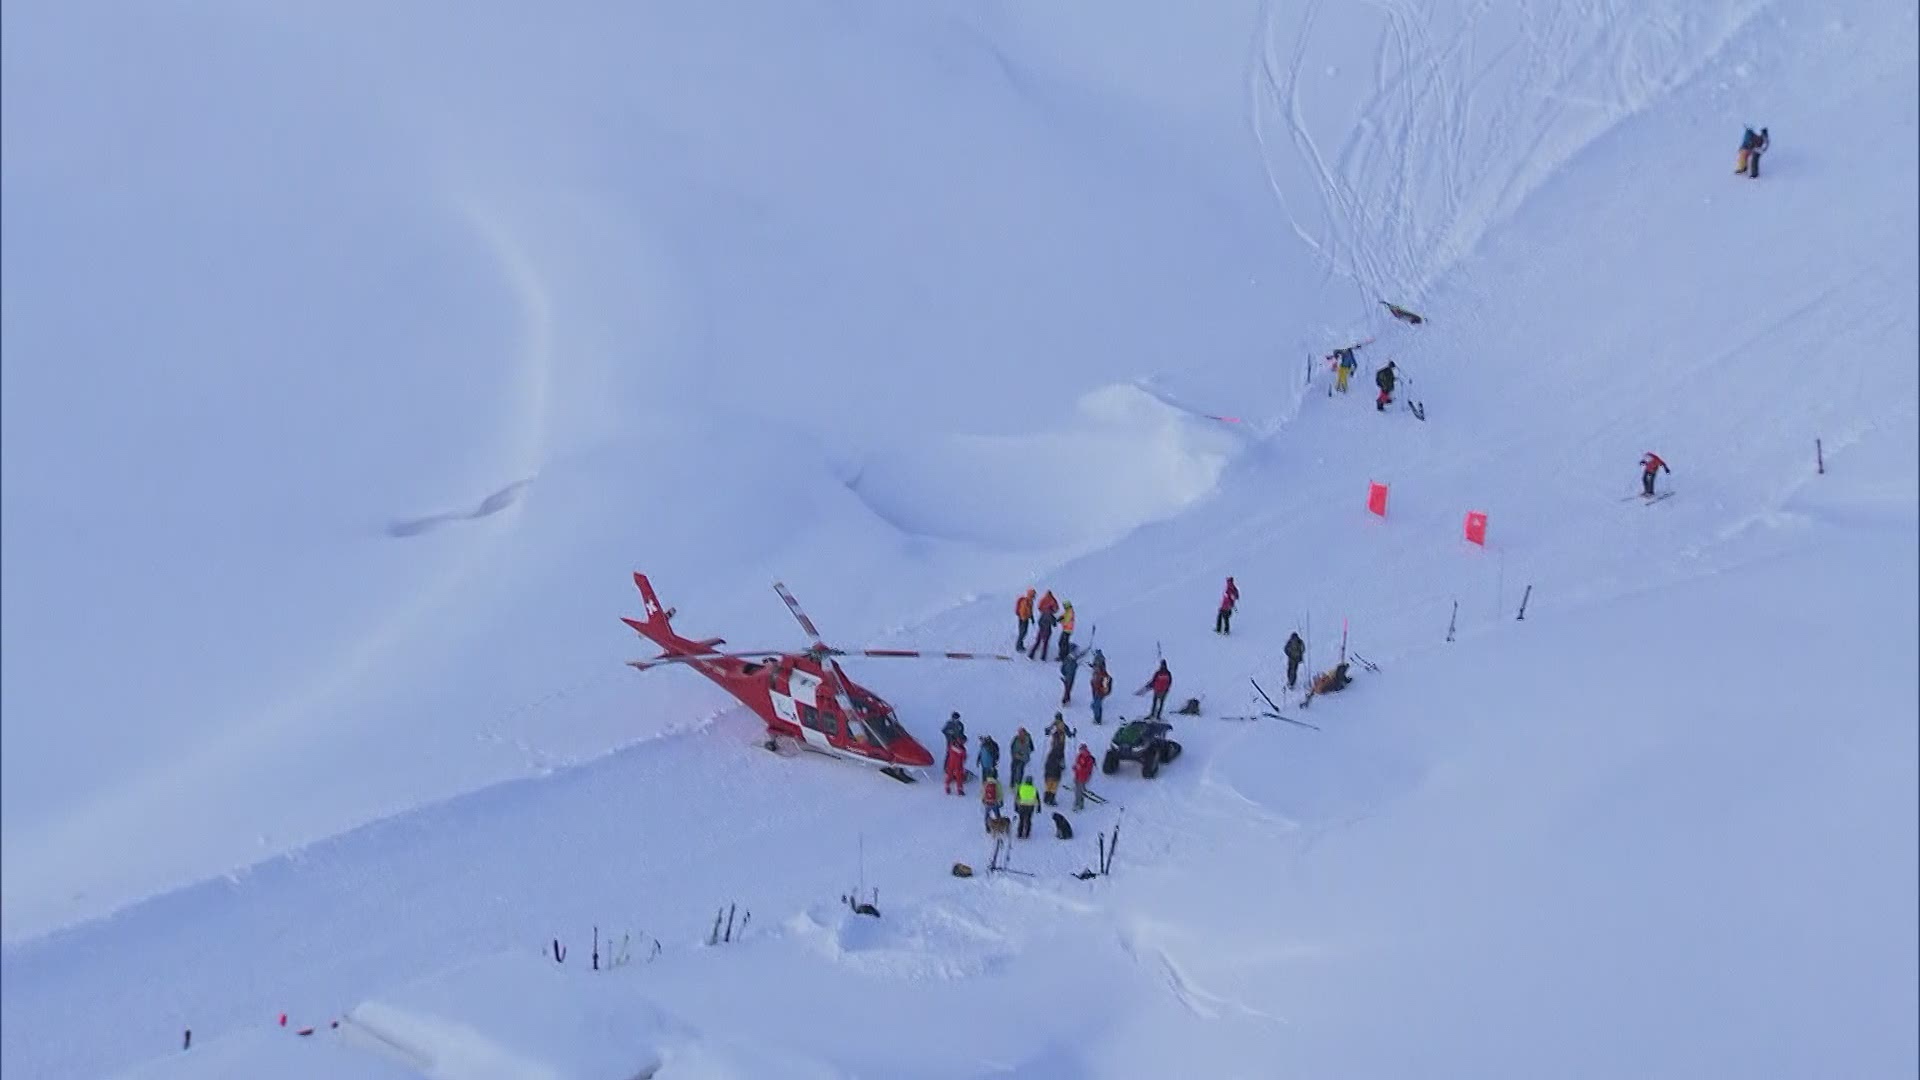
x,y
955,716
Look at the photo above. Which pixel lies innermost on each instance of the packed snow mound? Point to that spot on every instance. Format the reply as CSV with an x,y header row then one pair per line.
x,y
1120,459
520,1016
917,940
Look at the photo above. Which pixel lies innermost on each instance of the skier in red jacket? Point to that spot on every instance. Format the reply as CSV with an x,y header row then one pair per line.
x,y
1082,772
1160,684
1650,464
956,768
1230,599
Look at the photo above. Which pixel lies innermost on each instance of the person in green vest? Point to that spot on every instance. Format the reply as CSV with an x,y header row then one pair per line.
x,y
1025,802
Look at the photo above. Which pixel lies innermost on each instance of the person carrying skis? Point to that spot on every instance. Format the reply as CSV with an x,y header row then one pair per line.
x,y
1384,380
1082,772
989,757
1296,652
1023,612
1049,612
1160,684
956,732
1650,465
1343,366
1066,628
991,799
1022,752
1102,685
1229,599
1069,667
956,768
1026,799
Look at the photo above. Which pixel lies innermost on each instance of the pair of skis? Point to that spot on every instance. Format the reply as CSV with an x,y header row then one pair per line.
x,y
1649,500
1273,710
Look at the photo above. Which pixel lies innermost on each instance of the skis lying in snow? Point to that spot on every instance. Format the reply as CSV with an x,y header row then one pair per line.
x,y
1274,710
1364,662
1646,499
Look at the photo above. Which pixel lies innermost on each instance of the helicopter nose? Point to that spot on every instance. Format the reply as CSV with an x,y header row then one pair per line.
x,y
910,753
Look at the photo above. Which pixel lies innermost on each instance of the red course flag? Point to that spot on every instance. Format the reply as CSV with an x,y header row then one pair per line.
x,y
1377,497
1477,527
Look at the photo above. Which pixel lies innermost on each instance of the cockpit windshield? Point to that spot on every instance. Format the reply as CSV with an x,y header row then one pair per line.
x,y
883,724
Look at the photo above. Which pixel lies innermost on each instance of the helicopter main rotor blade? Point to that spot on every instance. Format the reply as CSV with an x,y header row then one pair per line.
x,y
891,654
766,656
800,616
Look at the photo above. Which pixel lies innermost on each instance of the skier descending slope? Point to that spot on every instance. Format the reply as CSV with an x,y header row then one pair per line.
x,y
1650,466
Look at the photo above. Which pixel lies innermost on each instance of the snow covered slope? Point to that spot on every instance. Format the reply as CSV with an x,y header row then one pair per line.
x,y
355,397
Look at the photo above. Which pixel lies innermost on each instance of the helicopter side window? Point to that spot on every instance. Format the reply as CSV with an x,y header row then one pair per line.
x,y
811,717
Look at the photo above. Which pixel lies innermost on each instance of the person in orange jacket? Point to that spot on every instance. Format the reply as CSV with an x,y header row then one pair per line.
x,y
1049,611
1023,611
1082,772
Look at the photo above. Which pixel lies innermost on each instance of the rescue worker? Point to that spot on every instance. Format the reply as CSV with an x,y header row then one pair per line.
x,y
1082,772
991,799
1102,685
1296,652
1384,380
1049,612
956,768
1161,682
1026,800
1223,622
956,732
989,757
1022,752
1023,611
1069,667
1650,465
1066,628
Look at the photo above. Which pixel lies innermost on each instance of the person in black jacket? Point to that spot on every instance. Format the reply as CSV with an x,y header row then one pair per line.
x,y
1296,652
1384,380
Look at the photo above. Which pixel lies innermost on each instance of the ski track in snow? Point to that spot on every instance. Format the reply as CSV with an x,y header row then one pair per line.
x,y
1427,114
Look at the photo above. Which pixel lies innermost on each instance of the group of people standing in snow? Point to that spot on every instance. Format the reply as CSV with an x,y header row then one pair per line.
x,y
1027,796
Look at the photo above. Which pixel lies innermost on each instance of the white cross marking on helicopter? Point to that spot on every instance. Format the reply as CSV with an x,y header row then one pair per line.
x,y
650,607
805,689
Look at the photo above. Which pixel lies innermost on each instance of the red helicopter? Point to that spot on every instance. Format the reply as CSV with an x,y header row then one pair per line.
x,y
803,697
